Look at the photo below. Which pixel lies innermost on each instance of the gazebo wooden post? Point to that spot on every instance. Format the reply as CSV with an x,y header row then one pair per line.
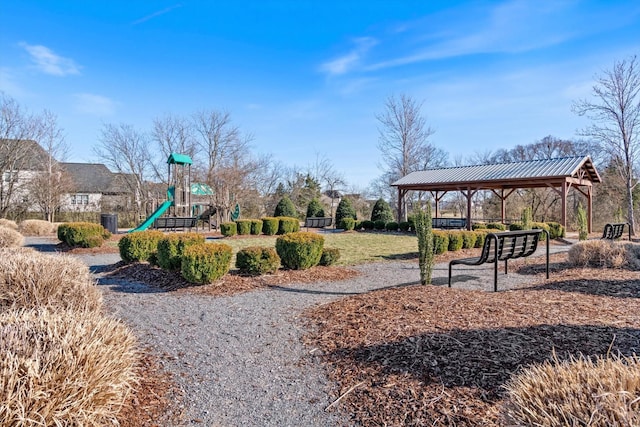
x,y
589,207
563,194
468,194
401,213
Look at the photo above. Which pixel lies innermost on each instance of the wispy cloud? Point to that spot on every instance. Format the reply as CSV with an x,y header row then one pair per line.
x,y
48,62
347,62
95,105
156,14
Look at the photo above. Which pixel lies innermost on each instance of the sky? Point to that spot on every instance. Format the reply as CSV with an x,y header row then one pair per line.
x,y
307,78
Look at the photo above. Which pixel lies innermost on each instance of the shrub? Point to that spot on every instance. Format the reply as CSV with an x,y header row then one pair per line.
x,y
412,222
424,233
381,211
542,226
404,226
345,210
358,226
288,225
8,224
478,226
392,226
257,260
270,225
83,234
598,392
455,240
496,226
243,226
379,225
139,246
601,253
10,238
581,217
36,227
469,239
285,207
329,256
516,226
206,262
30,279
347,224
440,242
228,229
256,226
480,238
315,209
299,251
171,247
367,225
527,218
556,230
62,368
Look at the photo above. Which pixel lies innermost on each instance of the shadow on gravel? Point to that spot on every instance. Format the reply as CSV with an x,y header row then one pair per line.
x,y
604,288
44,247
320,292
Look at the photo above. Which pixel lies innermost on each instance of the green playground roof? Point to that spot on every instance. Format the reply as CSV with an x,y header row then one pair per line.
x,y
179,159
200,189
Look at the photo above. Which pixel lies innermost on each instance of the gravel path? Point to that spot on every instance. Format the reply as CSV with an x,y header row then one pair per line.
x,y
239,359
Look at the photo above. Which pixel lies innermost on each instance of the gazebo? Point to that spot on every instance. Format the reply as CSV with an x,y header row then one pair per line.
x,y
503,179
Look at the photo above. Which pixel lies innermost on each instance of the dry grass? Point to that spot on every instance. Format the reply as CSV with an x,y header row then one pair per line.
x,y
37,227
30,279
583,391
10,238
63,368
8,223
603,253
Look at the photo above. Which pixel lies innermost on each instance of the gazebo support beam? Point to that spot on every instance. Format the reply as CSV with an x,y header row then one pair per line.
x,y
437,197
468,194
503,198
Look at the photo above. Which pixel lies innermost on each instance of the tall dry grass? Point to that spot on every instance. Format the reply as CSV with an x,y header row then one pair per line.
x,y
37,227
602,253
594,392
30,279
10,238
8,223
63,368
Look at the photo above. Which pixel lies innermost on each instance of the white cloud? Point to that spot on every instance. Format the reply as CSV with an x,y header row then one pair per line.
x,y
156,14
347,62
96,105
49,62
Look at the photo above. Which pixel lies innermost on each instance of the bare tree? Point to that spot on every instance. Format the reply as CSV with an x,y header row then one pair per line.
x,y
126,150
615,113
172,134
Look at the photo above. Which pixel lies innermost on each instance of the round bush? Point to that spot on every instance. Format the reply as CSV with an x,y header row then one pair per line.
x,y
516,226
556,230
345,210
171,247
285,207
315,209
469,239
82,234
288,225
496,226
299,251
36,227
381,211
404,226
478,226
10,238
270,225
392,226
440,242
8,223
367,225
256,226
206,262
228,229
455,241
542,226
243,226
329,256
379,225
64,368
30,279
257,260
139,246
480,238
347,224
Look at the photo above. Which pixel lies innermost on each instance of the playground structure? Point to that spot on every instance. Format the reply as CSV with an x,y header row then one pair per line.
x,y
179,206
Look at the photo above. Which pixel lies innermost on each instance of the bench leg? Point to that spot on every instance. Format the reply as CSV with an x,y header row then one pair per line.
x,y
495,275
449,275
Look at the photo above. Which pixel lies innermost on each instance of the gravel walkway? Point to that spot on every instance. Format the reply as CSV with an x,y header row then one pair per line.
x,y
239,359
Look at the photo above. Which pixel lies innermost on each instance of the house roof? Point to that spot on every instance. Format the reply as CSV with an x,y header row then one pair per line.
x,y
27,154
90,177
533,173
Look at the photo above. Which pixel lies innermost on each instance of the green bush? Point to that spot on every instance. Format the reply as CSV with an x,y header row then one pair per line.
x,y
556,230
367,225
288,225
411,219
270,225
581,218
347,224
496,226
469,239
516,226
83,234
381,211
345,210
329,256
358,226
542,226
404,226
257,260
455,241
391,226
440,242
140,245
206,262
285,207
424,233
315,209
301,250
480,238
256,226
228,229
243,226
527,218
379,225
478,226
171,248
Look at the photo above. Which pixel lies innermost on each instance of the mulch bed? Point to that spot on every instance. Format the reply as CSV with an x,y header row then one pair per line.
x,y
428,355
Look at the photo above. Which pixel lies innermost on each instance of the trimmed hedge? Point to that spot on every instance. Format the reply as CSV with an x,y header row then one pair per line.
x,y
379,225
347,224
556,230
140,245
228,229
206,262
516,226
455,241
404,226
440,242
469,239
478,226
392,226
256,226
300,250
257,260
367,225
243,226
270,225
481,236
496,226
543,226
288,225
171,248
329,256
83,234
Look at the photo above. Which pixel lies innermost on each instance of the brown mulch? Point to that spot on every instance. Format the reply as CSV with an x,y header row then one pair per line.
x,y
427,355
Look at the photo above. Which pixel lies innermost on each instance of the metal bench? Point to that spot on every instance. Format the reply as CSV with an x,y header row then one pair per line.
x,y
318,222
615,231
174,223
503,247
449,223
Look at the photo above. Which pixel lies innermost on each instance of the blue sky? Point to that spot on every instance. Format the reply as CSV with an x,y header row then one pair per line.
x,y
307,78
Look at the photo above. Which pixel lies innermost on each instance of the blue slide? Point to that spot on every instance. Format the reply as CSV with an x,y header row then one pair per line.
x,y
158,213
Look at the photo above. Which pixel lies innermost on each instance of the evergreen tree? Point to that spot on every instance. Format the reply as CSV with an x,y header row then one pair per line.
x,y
344,210
381,211
315,209
285,207
424,233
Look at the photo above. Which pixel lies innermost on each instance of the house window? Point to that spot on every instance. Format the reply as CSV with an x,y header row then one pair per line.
x,y
80,199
